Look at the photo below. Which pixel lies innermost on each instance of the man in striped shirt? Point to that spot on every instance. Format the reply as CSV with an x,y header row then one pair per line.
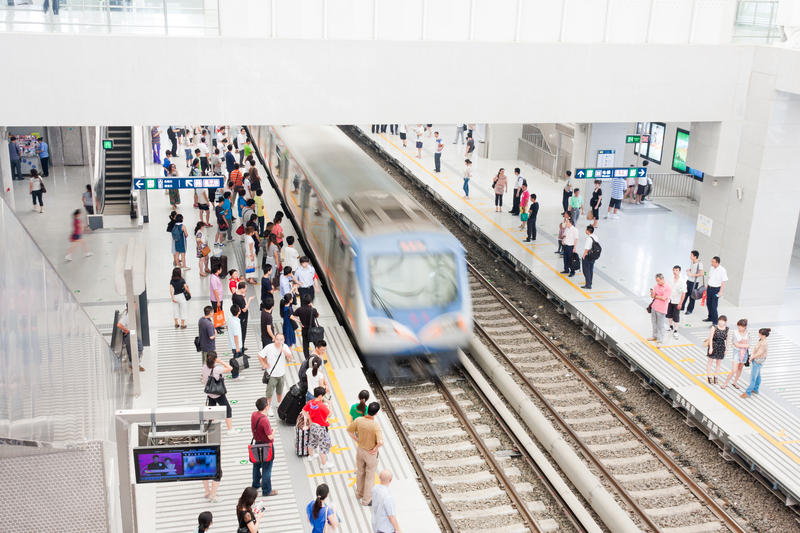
x,y
617,192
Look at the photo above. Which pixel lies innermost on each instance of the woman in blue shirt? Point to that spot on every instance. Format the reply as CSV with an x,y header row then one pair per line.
x,y
288,324
319,514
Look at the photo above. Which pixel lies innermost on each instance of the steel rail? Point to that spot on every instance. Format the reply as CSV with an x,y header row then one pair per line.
x,y
657,450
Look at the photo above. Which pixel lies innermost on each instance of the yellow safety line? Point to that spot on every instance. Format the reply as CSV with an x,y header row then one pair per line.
x,y
744,418
676,345
656,349
495,224
321,474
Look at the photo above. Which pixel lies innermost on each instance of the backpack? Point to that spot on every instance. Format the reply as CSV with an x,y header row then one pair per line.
x,y
176,235
594,251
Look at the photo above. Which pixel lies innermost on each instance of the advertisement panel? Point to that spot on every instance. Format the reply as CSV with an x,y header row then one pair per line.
x,y
681,151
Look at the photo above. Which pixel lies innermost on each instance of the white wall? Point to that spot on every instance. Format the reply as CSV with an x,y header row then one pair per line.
x,y
607,136
106,79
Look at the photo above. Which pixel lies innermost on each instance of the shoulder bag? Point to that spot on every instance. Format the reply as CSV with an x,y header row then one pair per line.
x,y
44,189
267,375
650,306
214,385
261,452
699,289
316,332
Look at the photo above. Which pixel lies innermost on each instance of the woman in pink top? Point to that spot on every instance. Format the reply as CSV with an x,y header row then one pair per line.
x,y
524,196
660,293
500,186
75,237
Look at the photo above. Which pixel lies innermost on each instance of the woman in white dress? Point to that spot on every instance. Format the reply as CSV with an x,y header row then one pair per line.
x,y
250,274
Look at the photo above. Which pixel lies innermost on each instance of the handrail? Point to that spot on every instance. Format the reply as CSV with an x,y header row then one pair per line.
x,y
100,169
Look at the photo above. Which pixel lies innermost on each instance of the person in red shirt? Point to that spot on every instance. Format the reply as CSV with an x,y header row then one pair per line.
x,y
277,229
76,238
233,283
262,434
317,413
236,176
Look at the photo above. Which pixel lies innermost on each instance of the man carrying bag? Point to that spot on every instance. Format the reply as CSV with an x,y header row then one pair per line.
x,y
261,448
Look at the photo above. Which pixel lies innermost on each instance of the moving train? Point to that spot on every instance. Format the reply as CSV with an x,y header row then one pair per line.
x,y
396,274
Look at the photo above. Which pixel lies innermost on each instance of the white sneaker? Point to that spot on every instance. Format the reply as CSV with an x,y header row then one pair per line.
x,y
675,333
326,466
68,257
89,254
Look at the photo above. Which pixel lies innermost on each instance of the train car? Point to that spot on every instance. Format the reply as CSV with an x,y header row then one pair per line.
x,y
398,277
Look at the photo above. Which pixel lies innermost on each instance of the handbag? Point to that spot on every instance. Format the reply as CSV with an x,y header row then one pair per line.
x,y
44,189
650,307
316,332
215,386
219,318
257,452
267,375
747,359
206,250
523,217
699,289
197,344
187,295
240,230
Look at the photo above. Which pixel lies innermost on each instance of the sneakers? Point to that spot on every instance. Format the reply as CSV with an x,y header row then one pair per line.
x,y
68,257
675,334
89,254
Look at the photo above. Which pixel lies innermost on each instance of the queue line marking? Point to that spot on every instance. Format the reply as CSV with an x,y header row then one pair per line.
x,y
495,224
701,383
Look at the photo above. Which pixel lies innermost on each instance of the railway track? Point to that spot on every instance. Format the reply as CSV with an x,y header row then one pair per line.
x,y
643,475
475,480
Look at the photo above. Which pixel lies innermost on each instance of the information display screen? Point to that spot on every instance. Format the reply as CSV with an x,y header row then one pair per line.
x,y
642,128
681,151
178,463
656,145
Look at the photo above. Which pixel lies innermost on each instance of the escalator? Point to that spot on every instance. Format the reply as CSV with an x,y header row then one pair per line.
x,y
118,174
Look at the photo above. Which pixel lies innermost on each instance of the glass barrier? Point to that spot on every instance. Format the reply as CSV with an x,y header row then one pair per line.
x,y
156,17
755,22
59,380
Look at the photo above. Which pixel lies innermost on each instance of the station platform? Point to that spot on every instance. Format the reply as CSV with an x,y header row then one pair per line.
x,y
762,432
172,375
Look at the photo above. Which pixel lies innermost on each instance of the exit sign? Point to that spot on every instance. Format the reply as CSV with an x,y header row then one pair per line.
x,y
108,144
630,139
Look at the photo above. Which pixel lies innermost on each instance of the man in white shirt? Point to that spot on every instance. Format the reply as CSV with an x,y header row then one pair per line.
x,y
676,299
568,243
437,156
717,277
273,358
241,138
234,326
306,278
289,254
517,191
384,514
588,259
203,147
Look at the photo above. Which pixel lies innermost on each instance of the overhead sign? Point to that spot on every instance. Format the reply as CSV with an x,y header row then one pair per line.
x,y
617,172
108,144
631,139
177,183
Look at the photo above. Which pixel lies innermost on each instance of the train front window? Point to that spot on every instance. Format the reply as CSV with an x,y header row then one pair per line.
x,y
403,281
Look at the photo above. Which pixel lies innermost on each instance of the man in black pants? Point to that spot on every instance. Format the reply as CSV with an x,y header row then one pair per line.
x,y
307,315
238,299
533,210
173,139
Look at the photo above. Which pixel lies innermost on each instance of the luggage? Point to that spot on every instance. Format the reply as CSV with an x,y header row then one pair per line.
x,y
301,440
221,260
292,404
235,368
576,261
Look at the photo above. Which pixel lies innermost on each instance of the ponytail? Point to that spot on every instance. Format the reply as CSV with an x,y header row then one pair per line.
x,y
322,493
363,396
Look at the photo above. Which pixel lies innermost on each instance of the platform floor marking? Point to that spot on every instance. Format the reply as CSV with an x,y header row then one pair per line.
x,y
495,224
703,385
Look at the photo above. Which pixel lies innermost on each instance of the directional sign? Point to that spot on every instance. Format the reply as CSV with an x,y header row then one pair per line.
x,y
108,144
619,172
630,139
177,183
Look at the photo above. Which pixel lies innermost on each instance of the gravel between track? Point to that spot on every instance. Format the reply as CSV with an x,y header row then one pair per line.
x,y
741,494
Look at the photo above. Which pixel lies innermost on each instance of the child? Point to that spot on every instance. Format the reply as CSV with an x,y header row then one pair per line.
x,y
75,237
562,228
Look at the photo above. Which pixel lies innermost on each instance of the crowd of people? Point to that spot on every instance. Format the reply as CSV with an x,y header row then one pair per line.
x,y
282,274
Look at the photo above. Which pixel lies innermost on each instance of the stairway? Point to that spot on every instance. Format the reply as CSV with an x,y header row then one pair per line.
x,y
118,171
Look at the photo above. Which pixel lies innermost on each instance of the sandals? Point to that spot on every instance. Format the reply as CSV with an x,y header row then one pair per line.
x,y
709,380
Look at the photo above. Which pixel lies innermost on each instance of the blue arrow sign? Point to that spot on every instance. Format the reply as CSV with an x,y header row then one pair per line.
x,y
611,172
177,183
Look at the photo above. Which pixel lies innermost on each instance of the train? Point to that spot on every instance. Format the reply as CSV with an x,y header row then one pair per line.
x,y
397,276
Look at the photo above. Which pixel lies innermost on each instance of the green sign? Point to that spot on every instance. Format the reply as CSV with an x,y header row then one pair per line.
x,y
108,144
632,139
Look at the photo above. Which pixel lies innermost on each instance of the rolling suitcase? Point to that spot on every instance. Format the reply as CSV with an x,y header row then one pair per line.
x,y
300,440
292,404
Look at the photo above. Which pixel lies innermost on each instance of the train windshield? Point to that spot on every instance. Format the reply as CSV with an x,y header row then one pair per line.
x,y
403,281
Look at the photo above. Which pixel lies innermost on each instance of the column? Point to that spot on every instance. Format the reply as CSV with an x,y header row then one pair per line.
x,y
502,141
5,170
750,219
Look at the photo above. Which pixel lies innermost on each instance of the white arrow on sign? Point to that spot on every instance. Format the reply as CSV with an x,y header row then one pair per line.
x,y
641,172
189,183
580,173
139,184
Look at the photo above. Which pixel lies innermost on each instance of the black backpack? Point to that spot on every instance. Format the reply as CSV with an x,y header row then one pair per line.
x,y
594,251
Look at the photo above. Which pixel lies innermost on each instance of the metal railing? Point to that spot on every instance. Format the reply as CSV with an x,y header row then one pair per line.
x,y
158,17
100,170
756,22
532,149
675,185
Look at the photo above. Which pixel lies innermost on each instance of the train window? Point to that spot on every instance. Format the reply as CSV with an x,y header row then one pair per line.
x,y
420,280
276,161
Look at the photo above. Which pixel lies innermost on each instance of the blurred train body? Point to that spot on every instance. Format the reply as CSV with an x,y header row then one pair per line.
x,y
398,277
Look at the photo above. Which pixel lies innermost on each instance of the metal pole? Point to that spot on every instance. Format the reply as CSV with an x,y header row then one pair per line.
x,y
132,321
166,24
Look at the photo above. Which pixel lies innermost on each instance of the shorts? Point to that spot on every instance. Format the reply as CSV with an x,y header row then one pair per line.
x,y
640,190
402,136
674,312
275,385
89,209
615,203
188,152
596,213
419,144
202,207
319,438
75,237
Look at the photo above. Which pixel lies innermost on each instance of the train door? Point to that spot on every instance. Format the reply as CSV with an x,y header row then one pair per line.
x,y
284,173
305,205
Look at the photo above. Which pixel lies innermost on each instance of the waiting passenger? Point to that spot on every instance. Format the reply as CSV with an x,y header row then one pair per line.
x,y
360,409
757,361
695,280
247,517
322,517
617,193
467,176
717,278
384,514
589,257
568,243
576,206
718,342
533,212
566,193
500,187
204,521
660,293
676,299
368,437
741,352
317,412
596,201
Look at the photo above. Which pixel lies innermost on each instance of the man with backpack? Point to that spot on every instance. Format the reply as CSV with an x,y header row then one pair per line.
x,y
591,253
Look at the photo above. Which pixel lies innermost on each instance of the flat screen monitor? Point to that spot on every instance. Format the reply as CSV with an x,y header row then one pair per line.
x,y
681,151
642,128
176,463
656,145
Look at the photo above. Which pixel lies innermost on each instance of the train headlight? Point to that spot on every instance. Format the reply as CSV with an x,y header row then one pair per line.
x,y
384,327
443,326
